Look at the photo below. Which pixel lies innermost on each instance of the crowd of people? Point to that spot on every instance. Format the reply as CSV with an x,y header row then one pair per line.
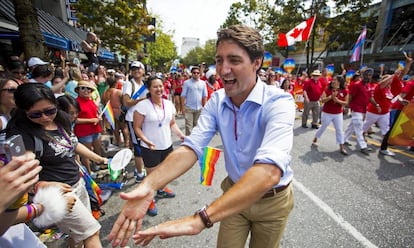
x,y
61,106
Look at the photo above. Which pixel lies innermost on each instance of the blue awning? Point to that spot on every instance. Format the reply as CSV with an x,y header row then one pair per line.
x,y
105,54
50,40
56,42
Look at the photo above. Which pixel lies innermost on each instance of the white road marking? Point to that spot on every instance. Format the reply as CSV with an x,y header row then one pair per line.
x,y
336,217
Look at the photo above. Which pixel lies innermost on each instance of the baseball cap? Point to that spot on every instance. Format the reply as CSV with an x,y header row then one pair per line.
x,y
210,73
137,64
35,61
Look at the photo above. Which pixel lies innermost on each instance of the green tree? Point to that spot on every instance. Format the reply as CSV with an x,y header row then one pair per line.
x,y
120,24
162,52
280,16
29,29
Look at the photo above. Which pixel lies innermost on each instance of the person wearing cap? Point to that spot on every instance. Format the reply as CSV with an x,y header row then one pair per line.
x,y
193,99
312,92
87,127
43,74
35,61
359,95
211,82
133,92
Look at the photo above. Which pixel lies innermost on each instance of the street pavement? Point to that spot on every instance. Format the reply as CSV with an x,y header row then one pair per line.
x,y
340,201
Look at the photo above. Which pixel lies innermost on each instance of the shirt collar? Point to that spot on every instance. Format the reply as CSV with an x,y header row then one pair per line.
x,y
256,95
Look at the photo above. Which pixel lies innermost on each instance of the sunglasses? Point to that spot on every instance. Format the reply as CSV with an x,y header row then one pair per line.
x,y
85,88
10,90
47,112
196,72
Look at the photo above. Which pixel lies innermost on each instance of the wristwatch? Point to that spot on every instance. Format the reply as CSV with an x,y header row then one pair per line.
x,y
202,212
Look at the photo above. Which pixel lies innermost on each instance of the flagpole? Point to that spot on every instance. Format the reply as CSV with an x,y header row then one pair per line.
x,y
103,110
362,54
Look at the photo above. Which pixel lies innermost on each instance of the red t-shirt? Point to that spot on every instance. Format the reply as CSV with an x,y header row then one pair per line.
x,y
178,86
314,89
332,107
359,97
88,110
383,97
409,91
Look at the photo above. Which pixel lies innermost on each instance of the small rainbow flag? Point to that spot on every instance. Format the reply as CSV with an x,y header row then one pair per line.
x,y
93,189
207,164
109,114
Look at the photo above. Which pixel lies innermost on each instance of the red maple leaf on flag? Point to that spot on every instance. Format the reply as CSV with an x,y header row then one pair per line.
x,y
296,32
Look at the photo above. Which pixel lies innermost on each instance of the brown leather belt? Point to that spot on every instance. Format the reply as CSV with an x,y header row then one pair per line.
x,y
273,191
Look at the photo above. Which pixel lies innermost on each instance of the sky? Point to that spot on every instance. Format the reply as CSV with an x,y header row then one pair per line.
x,y
191,18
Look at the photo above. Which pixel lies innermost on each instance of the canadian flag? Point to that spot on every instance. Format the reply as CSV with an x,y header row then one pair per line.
x,y
299,33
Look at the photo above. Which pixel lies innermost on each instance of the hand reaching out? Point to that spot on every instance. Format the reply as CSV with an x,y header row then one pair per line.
x,y
190,225
132,214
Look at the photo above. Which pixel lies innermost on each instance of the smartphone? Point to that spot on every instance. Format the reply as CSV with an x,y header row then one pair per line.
x,y
13,146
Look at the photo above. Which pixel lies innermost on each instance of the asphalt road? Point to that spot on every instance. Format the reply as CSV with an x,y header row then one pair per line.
x,y
340,201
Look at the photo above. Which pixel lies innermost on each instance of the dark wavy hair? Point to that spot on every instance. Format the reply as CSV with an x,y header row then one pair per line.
x,y
25,97
65,101
149,82
341,81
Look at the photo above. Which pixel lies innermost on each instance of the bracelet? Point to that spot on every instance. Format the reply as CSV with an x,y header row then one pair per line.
x,y
29,212
36,210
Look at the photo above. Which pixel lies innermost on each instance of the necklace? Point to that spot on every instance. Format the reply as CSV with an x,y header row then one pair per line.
x,y
163,110
68,144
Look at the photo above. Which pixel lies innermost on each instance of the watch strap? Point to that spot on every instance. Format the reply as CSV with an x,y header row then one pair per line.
x,y
204,217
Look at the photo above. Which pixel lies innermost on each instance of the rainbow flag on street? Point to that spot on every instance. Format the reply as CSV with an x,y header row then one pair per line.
x,y
402,133
207,164
109,114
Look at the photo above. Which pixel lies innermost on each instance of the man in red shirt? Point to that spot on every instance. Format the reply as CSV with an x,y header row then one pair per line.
x,y
359,95
312,91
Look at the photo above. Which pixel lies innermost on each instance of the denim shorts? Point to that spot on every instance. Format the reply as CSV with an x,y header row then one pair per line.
x,y
89,139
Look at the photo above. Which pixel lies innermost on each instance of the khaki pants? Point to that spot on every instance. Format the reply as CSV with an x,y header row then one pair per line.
x,y
265,220
191,117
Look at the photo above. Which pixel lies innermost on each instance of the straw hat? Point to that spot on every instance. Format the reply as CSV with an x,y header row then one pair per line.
x,y
316,73
84,84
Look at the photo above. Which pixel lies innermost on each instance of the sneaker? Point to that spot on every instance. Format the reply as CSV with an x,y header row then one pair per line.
x,y
165,193
152,209
139,177
315,144
387,153
347,143
366,150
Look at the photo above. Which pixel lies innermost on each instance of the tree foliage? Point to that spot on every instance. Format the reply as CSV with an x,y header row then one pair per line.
x,y
29,29
162,52
279,16
198,55
120,24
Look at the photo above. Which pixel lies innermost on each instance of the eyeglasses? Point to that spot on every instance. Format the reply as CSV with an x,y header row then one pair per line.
x,y
196,72
10,90
47,112
85,88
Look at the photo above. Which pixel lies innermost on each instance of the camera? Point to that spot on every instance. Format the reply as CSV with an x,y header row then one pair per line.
x,y
13,146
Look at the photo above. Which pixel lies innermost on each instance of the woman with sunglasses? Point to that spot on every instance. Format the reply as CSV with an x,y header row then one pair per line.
x,y
37,115
7,87
87,127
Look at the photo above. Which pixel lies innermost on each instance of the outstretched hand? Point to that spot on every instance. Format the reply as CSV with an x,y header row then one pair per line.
x,y
131,216
190,225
